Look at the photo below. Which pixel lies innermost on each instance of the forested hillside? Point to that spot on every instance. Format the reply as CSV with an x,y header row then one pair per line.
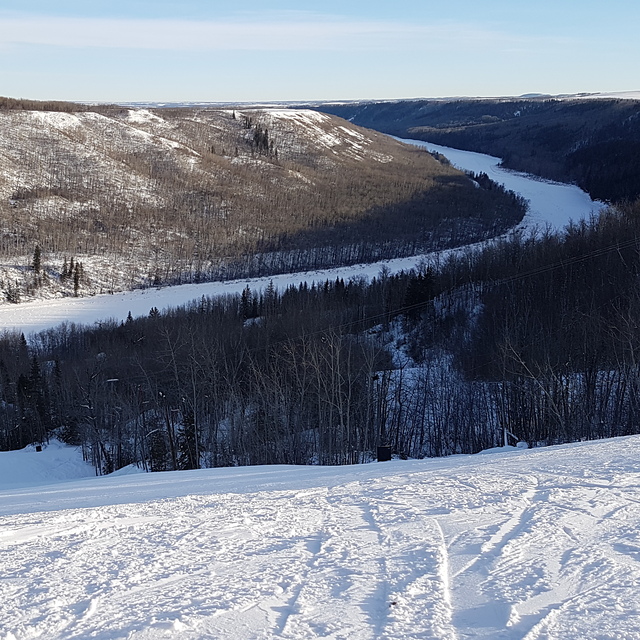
x,y
96,199
532,336
594,143
535,335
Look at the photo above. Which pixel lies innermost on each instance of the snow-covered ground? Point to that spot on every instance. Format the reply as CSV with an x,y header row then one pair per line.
x,y
511,544
552,205
617,95
32,468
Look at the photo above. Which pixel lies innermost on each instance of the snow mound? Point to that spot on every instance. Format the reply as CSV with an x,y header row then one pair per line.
x,y
28,467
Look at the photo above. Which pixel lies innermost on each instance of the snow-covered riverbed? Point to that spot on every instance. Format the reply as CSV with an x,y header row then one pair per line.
x,y
536,544
552,205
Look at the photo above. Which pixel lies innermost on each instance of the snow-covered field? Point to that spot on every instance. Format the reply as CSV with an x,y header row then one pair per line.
x,y
552,205
618,95
512,544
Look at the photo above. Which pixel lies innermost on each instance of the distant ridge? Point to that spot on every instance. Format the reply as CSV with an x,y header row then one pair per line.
x,y
589,139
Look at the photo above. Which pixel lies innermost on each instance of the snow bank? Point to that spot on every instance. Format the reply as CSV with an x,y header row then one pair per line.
x,y
56,462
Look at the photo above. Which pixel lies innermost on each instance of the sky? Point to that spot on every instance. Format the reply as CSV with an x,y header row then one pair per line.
x,y
264,50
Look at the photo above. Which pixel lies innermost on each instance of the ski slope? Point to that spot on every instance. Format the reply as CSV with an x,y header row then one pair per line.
x,y
513,544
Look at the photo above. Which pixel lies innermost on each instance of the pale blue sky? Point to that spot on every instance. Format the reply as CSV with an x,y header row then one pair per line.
x,y
190,50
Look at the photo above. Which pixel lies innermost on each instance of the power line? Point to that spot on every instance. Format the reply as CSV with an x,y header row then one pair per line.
x,y
536,271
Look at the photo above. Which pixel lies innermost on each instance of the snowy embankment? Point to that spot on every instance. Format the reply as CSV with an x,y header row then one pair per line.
x,y
552,205
29,467
519,544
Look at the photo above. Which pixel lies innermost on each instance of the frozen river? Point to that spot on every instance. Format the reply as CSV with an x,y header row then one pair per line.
x,y
552,205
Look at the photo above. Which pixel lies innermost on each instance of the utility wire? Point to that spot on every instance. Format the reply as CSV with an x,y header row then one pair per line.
x,y
562,264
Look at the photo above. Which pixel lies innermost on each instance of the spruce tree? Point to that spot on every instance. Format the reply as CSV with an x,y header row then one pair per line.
x,y
76,279
187,438
37,259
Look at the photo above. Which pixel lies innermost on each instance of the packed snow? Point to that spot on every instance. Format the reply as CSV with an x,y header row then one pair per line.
x,y
512,544
552,205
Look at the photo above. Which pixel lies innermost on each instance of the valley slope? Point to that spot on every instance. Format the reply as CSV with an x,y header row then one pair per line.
x,y
594,143
143,197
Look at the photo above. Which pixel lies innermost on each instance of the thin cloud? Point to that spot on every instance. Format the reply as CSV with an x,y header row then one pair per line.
x,y
249,34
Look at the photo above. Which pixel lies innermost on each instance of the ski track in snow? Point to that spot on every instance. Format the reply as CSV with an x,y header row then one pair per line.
x,y
515,545
552,205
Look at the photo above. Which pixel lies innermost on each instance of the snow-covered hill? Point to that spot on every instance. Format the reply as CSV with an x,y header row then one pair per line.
x,y
552,205
511,544
141,197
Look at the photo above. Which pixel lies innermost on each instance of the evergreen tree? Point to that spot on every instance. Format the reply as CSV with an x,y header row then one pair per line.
x,y
270,298
23,347
7,388
37,260
187,438
12,293
76,279
420,290
246,303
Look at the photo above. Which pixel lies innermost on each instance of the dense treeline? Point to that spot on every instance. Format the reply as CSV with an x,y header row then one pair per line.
x,y
55,106
538,336
593,143
560,335
242,380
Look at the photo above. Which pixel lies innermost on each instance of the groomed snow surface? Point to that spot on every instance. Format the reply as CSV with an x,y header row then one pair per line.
x,y
510,544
